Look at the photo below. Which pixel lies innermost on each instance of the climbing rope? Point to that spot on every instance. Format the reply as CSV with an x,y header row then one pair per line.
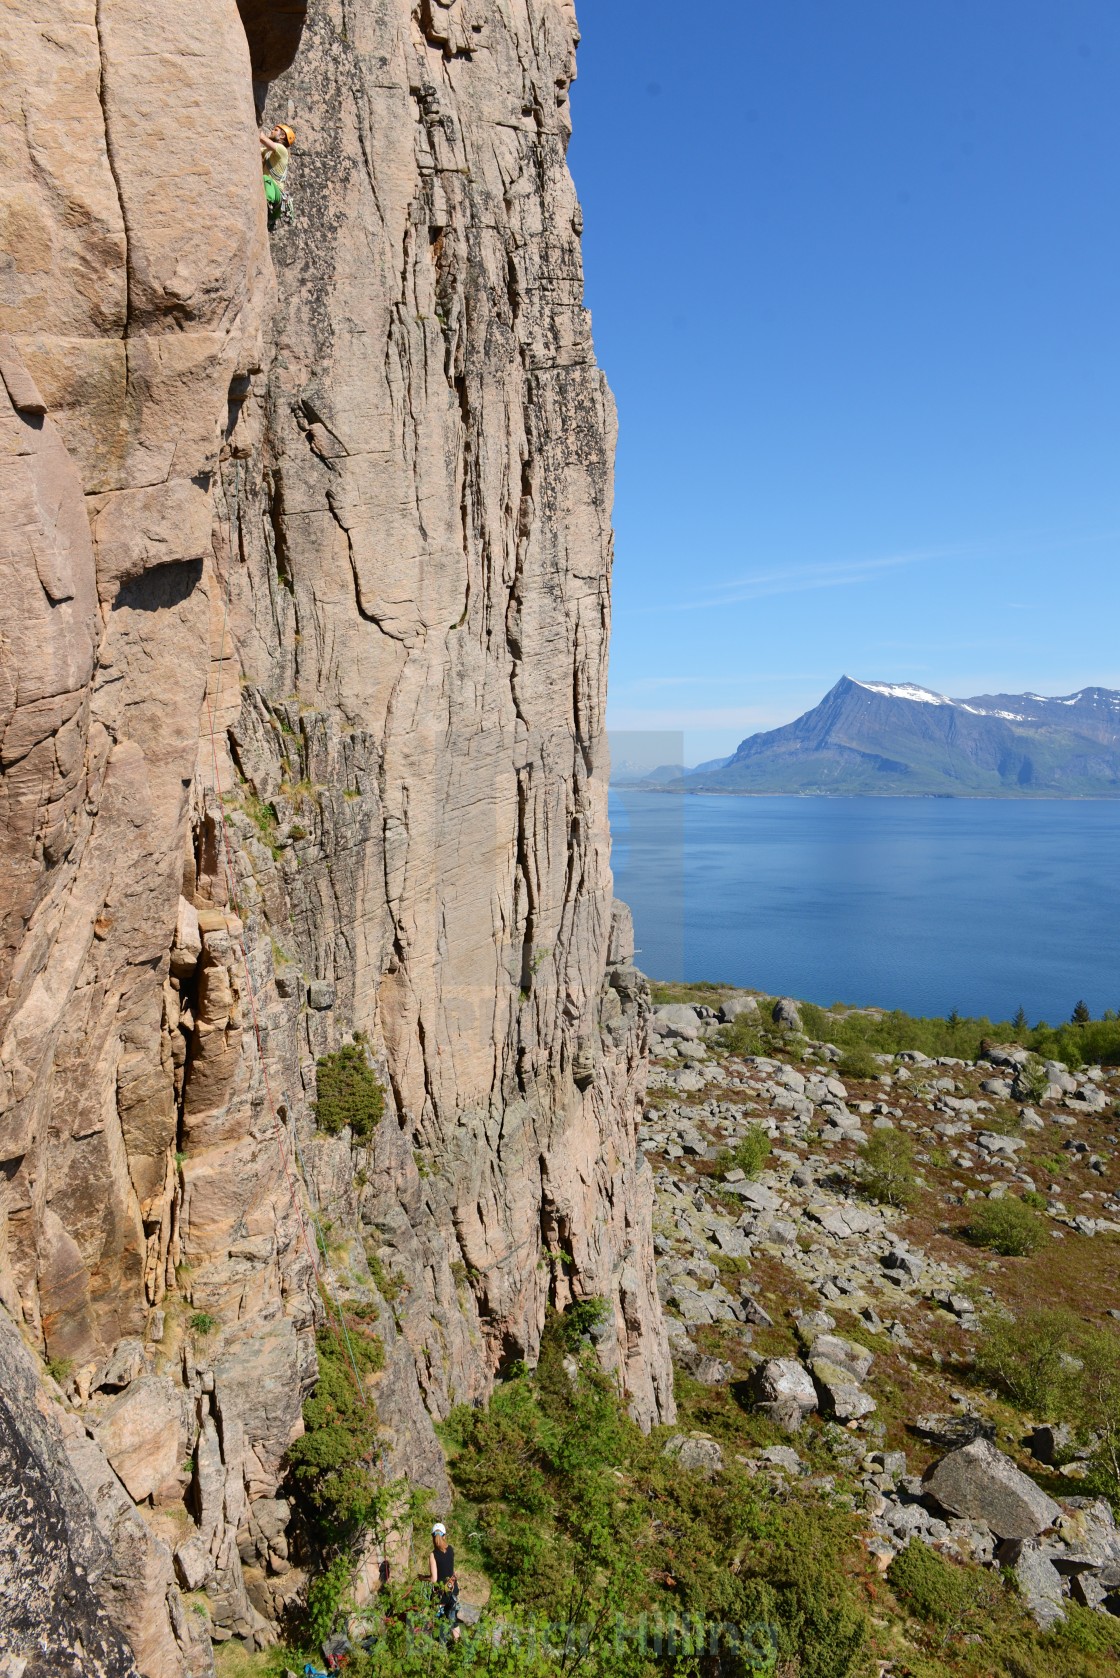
x,y
314,1251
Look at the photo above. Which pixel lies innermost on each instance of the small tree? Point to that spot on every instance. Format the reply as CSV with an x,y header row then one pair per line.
x,y
1081,1014
1029,1358
1098,1407
1019,1023
752,1151
887,1161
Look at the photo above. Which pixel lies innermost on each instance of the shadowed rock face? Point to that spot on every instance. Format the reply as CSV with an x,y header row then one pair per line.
x,y
341,547
273,29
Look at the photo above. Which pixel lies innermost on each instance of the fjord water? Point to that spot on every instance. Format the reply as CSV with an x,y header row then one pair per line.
x,y
983,905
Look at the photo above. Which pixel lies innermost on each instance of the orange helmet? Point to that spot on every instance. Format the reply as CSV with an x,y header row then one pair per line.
x,y
288,133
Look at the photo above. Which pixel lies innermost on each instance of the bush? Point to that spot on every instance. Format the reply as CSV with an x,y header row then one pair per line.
x,y
203,1323
887,1168
348,1095
329,1464
1032,1079
936,1590
858,1062
752,1151
1006,1226
743,1036
1027,1358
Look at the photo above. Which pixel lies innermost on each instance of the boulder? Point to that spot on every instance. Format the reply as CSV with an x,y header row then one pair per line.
x,y
902,1266
951,1431
753,1312
843,1221
781,1456
846,1354
123,1367
784,1390
139,1433
978,1482
735,1006
697,1451
786,1015
1049,1442
677,1020
840,1395
755,1195
1039,1582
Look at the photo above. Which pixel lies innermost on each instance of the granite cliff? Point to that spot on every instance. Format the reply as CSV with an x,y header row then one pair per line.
x,y
305,548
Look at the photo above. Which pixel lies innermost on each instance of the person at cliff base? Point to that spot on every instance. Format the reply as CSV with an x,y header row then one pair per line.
x,y
445,1586
275,148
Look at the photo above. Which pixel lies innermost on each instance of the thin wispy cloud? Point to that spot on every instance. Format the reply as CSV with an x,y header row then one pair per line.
x,y
731,679
802,579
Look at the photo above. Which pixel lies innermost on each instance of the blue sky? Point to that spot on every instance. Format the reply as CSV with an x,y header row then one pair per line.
x,y
853,275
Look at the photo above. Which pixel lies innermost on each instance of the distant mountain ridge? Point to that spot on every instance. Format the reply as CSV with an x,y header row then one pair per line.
x,y
898,738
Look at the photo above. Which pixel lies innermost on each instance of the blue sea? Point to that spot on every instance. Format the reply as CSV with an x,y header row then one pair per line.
x,y
927,905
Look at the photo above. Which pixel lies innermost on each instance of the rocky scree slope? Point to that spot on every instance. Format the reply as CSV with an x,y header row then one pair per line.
x,y
303,634
853,1326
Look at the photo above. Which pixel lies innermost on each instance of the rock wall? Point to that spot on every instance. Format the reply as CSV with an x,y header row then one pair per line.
x,y
305,555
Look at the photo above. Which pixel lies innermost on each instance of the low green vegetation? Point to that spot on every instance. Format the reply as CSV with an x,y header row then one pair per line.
x,y
578,1517
348,1094
859,1062
1006,1226
887,1168
749,1154
263,817
201,1322
954,1599
1052,1365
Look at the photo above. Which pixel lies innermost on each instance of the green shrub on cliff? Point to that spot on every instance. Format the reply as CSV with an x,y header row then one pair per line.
x,y
331,1464
348,1095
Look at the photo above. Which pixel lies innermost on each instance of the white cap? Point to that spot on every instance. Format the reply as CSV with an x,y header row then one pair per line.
x,y
439,1530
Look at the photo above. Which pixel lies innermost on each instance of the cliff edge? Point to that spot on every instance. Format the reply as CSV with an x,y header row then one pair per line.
x,y
305,549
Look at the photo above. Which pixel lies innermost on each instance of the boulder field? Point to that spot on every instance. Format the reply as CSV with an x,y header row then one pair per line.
x,y
852,1323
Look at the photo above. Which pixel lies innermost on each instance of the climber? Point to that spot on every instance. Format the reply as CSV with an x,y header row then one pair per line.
x,y
274,161
445,1586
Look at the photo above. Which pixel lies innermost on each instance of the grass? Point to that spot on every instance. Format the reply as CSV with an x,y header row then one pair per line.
x,y
263,817
202,1322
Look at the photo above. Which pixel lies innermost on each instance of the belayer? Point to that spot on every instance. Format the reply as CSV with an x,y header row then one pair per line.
x,y
275,148
445,1586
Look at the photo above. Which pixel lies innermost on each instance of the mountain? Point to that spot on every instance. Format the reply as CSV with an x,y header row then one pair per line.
x,y
891,738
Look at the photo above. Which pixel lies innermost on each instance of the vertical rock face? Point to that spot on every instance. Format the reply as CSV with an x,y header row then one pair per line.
x,y
303,636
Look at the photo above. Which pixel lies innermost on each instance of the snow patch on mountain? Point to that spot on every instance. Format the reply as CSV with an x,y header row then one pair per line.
x,y
905,690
